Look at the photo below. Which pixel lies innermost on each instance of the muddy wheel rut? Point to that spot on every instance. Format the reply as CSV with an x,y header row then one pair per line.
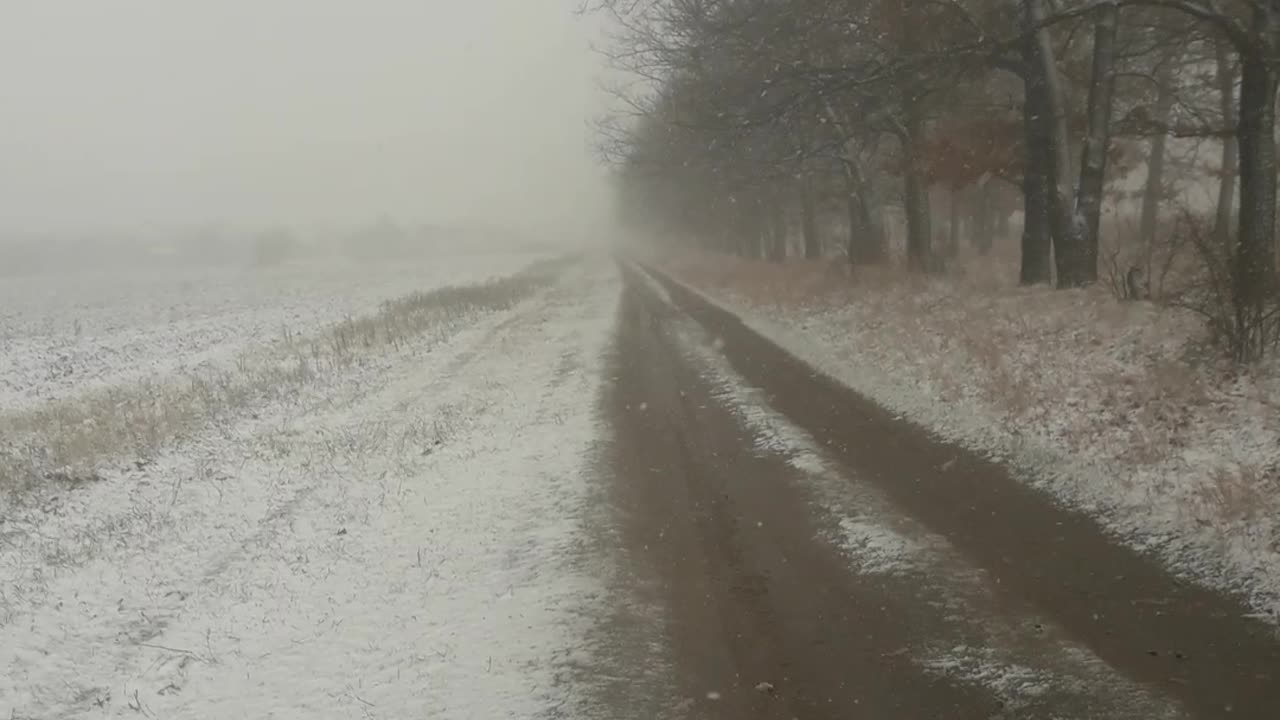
x,y
765,617
751,597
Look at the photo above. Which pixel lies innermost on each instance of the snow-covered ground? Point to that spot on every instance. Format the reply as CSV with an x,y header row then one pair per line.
x,y
407,541
64,333
1103,403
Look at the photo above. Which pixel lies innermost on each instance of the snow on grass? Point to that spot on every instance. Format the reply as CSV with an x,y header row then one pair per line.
x,y
1026,661
64,333
69,439
411,548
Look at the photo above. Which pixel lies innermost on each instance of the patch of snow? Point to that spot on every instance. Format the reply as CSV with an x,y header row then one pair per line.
x,y
1015,685
408,547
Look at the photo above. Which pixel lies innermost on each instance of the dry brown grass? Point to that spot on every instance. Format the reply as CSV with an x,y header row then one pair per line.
x,y
798,282
1239,492
833,280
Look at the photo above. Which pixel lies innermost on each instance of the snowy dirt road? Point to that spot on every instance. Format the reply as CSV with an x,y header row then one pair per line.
x,y
607,501
820,559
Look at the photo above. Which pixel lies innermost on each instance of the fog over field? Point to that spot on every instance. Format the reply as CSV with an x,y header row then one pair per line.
x,y
141,116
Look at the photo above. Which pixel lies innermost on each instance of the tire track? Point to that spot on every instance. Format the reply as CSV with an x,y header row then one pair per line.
x,y
763,621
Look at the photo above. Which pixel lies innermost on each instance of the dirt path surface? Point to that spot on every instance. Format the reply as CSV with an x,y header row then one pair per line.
x,y
818,558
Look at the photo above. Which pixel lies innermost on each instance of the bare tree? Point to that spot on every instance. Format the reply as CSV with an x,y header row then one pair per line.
x,y
754,118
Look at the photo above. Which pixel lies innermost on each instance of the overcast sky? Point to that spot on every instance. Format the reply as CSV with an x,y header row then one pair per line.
x,y
116,112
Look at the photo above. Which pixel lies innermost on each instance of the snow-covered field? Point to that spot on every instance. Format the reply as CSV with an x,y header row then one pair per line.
x,y
405,539
64,333
1100,402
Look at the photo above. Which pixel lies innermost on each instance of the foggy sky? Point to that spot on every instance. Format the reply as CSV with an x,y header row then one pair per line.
x,y
120,112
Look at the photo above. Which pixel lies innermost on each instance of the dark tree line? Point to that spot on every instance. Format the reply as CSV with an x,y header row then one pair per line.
x,y
763,127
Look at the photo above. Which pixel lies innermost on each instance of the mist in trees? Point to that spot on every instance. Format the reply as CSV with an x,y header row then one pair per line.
x,y
1128,142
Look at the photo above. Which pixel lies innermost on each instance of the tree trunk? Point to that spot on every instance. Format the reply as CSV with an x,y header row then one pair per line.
x,y
916,192
1036,267
1153,193
867,242
751,231
1000,211
954,223
809,220
776,232
1037,241
855,228
1043,72
919,225
1253,262
1226,76
980,233
1078,261
866,226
